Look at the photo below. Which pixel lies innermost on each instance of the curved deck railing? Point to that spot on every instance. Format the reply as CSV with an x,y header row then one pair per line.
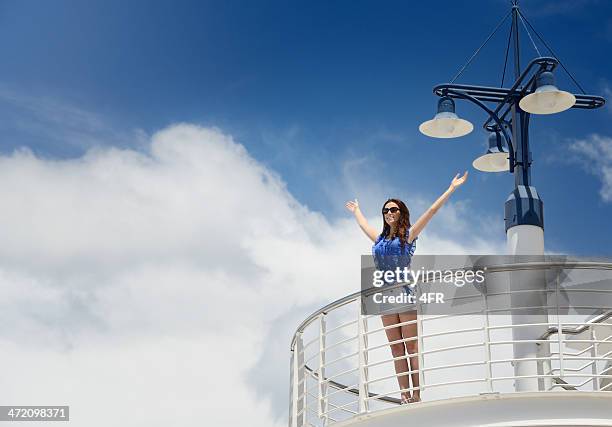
x,y
341,365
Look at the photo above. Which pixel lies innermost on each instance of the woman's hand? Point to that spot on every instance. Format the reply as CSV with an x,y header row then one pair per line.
x,y
420,224
458,181
352,206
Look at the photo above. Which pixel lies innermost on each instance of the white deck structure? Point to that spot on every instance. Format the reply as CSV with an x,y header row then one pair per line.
x,y
342,370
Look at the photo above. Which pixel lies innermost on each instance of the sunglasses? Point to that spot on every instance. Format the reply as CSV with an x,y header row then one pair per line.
x,y
392,210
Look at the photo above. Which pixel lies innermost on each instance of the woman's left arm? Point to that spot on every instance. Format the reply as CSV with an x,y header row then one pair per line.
x,y
420,224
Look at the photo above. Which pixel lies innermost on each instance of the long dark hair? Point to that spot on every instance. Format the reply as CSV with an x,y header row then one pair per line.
x,y
403,223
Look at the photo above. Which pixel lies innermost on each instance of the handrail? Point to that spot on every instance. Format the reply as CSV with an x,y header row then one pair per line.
x,y
309,383
578,329
354,391
491,269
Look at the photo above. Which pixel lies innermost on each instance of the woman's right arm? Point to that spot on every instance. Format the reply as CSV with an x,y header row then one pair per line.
x,y
353,206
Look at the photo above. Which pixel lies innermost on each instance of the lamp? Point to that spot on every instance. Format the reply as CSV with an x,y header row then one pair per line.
x,y
547,98
446,124
496,157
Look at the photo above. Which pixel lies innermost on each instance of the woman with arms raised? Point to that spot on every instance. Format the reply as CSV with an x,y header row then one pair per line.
x,y
393,247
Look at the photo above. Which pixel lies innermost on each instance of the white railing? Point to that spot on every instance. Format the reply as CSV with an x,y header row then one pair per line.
x,y
341,365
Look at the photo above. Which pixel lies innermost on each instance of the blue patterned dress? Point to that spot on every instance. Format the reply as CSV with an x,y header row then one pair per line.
x,y
388,255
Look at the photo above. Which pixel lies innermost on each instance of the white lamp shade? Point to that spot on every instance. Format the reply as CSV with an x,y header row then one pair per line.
x,y
446,125
496,159
492,162
547,100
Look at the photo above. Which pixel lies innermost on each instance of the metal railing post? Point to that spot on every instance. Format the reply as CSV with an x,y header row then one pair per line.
x,y
322,386
420,357
559,329
544,362
544,366
292,390
298,380
594,352
487,342
362,343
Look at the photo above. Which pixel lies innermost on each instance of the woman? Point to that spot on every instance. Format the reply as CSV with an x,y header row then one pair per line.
x,y
398,239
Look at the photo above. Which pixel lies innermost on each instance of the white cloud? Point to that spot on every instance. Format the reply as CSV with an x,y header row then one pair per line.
x,y
150,281
595,154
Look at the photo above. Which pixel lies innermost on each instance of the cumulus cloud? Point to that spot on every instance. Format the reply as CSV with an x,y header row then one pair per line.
x,y
162,287
595,153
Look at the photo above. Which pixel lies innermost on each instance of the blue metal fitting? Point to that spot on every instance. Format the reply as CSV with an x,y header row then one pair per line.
x,y
524,207
545,78
446,105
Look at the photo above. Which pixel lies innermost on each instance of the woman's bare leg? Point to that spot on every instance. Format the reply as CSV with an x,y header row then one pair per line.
x,y
412,346
397,350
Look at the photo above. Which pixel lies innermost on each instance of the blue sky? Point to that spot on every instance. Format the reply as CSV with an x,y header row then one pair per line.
x,y
142,142
307,88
